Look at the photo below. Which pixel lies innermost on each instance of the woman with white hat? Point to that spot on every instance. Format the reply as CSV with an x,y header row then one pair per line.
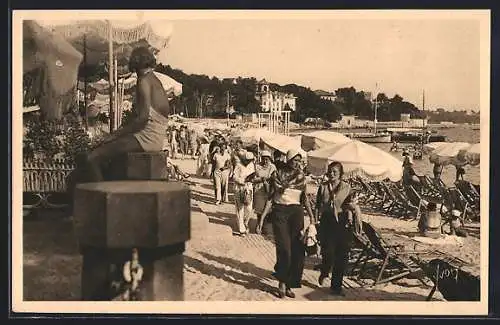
x,y
288,202
243,190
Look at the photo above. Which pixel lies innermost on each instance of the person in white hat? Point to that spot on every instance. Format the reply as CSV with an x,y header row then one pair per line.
x,y
243,191
288,202
262,190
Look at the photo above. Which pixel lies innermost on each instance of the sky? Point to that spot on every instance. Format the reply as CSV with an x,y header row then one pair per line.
x,y
405,57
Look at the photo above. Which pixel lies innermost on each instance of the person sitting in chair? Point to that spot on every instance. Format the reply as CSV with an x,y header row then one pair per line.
x,y
147,131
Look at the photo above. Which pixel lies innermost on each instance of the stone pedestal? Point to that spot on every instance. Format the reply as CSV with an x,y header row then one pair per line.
x,y
147,166
112,218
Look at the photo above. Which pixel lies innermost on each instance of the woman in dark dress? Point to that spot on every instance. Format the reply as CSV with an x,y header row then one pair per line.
x,y
339,213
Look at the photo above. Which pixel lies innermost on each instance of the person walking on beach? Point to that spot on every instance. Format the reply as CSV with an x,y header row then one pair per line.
x,y
262,187
436,171
203,168
243,191
459,174
336,208
183,141
288,201
174,142
221,169
194,141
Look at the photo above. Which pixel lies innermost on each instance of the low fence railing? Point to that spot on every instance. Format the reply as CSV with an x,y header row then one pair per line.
x,y
45,180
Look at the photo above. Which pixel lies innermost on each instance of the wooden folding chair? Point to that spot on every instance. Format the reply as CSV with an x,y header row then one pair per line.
x,y
416,200
393,265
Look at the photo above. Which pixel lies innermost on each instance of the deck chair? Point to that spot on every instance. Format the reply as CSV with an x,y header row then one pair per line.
x,y
429,189
416,199
408,208
389,205
398,205
469,193
386,200
393,262
370,194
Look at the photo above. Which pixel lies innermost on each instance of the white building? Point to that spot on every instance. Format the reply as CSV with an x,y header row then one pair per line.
x,y
273,101
325,95
347,121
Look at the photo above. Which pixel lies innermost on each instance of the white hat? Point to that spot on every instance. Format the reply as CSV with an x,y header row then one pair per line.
x,y
265,153
456,213
292,153
249,156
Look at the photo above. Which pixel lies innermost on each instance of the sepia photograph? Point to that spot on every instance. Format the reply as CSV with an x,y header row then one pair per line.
x,y
201,161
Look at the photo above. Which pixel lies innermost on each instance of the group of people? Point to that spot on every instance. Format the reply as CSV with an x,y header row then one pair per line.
x,y
273,187
182,141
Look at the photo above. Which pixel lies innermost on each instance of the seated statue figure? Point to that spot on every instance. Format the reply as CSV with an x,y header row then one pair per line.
x,y
147,131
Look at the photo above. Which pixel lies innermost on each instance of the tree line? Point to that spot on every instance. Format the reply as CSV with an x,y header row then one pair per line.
x,y
203,96
209,97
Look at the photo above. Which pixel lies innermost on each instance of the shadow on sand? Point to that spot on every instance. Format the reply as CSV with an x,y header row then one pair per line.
x,y
245,274
51,261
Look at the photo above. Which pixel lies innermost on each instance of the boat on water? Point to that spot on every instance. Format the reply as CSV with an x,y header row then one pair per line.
x,y
379,137
412,137
375,136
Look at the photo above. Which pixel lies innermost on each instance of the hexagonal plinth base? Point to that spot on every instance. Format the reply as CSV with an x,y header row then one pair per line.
x,y
132,213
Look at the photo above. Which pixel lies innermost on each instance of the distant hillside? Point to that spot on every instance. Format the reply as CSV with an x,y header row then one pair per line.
x,y
207,97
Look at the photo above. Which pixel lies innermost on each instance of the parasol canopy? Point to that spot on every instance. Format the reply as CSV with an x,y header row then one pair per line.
x,y
429,147
54,63
127,34
168,83
320,139
358,159
251,136
282,143
471,155
447,153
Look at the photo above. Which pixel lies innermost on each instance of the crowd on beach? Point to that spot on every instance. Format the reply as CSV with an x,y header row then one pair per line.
x,y
272,187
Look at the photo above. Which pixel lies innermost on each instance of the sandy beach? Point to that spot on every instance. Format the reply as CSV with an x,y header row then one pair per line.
x,y
221,266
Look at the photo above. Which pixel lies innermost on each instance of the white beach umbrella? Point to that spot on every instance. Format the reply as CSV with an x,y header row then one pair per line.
x,y
471,155
429,147
320,139
447,153
251,136
358,159
283,143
